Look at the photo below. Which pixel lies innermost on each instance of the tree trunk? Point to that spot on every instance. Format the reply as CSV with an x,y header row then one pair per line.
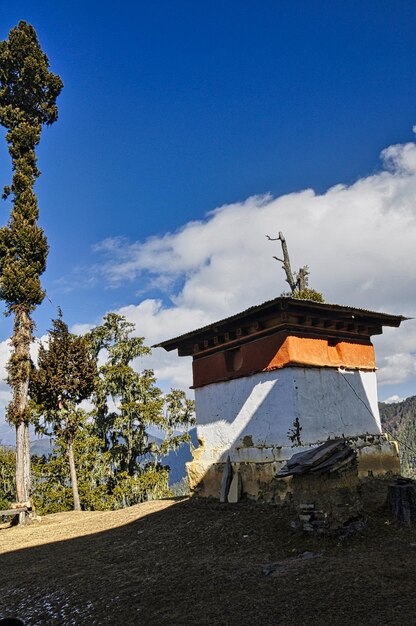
x,y
286,264
402,499
74,480
302,278
23,477
19,371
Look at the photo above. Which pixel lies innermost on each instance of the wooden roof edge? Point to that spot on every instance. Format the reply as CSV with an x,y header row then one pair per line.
x,y
286,304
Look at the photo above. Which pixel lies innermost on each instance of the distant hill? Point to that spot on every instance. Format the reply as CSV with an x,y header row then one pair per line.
x,y
38,447
176,460
399,420
41,447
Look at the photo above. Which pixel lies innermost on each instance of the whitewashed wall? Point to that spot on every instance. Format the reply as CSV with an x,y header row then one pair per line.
x,y
251,416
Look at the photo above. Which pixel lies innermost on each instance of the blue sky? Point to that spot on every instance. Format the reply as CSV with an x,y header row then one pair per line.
x,y
172,109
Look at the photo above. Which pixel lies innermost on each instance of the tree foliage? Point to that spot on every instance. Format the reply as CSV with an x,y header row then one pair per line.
x,y
128,404
117,462
399,421
7,476
28,93
52,488
308,294
65,376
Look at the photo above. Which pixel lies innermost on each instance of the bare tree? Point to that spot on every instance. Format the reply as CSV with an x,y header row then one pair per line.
x,y
298,281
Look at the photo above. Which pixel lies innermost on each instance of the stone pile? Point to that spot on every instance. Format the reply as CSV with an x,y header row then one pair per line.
x,y
312,519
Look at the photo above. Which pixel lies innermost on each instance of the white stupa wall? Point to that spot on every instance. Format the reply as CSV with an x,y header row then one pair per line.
x,y
250,418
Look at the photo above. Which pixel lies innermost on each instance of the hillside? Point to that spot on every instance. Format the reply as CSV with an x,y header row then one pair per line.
x,y
395,413
399,420
193,562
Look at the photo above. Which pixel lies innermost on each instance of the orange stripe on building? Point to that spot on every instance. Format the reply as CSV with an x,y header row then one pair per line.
x,y
323,353
282,350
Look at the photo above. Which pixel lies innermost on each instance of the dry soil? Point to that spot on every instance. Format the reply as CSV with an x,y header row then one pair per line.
x,y
191,562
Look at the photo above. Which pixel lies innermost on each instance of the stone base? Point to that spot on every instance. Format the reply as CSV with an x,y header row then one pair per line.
x,y
377,456
326,502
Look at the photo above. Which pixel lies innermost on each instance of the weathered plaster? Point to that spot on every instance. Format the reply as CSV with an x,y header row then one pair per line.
x,y
376,458
251,418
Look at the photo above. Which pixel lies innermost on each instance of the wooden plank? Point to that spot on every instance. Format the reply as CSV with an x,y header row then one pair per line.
x,y
226,478
402,500
22,509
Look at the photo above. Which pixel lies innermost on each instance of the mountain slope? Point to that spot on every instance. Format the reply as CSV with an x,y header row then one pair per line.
x,y
399,421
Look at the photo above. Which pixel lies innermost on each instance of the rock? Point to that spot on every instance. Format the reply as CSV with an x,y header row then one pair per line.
x,y
311,555
234,492
268,568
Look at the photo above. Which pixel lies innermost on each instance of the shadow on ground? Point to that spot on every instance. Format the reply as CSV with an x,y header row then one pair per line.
x,y
201,562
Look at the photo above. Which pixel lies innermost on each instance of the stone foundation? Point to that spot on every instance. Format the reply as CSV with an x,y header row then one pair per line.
x,y
326,502
377,456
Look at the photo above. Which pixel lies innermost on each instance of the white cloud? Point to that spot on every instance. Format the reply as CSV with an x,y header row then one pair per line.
x,y
81,329
397,368
358,241
393,399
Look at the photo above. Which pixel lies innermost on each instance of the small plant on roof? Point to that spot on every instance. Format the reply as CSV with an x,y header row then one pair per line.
x,y
298,281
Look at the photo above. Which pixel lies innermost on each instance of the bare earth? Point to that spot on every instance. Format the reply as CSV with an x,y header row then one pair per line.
x,y
191,562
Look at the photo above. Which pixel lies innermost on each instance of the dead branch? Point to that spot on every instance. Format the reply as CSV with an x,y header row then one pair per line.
x,y
286,261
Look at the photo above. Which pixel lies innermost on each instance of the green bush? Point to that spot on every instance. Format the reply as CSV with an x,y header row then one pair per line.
x,y
7,477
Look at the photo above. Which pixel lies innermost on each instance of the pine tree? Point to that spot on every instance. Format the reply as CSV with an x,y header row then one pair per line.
x,y
64,377
28,93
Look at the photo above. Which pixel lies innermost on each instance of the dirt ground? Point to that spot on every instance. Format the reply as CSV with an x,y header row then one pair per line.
x,y
191,562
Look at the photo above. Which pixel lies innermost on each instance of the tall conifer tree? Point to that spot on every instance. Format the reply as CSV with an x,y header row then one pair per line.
x,y
28,93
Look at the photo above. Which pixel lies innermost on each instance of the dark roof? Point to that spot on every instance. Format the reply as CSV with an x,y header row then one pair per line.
x,y
280,314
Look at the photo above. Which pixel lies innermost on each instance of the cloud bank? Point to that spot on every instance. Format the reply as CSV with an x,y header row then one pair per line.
x,y
357,239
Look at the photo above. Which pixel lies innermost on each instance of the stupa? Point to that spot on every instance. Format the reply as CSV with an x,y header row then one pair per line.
x,y
283,377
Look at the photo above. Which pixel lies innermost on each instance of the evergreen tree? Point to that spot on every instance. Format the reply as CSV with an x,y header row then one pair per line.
x,y
64,377
399,421
128,403
28,93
